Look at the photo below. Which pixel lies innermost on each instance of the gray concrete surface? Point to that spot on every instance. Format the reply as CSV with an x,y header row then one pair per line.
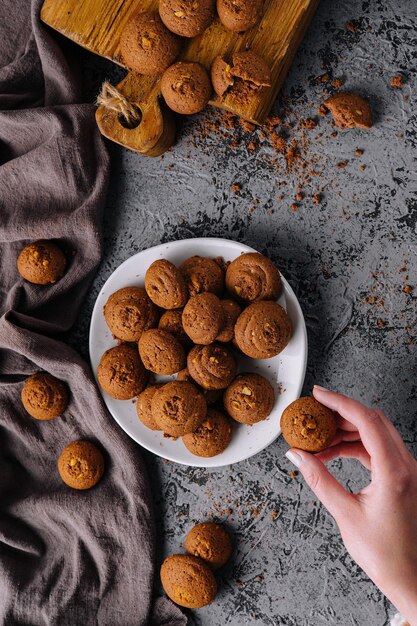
x,y
344,259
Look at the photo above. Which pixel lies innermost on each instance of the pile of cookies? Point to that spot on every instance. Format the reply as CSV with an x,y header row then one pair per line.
x,y
188,579
151,42
194,321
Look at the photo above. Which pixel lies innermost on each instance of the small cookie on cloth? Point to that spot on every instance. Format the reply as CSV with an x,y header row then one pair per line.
x,y
186,87
147,46
211,542
349,110
212,367
239,15
81,465
144,407
121,372
309,425
202,274
41,263
187,18
129,312
252,277
178,408
161,352
212,436
165,285
44,396
231,312
203,318
188,581
249,398
263,330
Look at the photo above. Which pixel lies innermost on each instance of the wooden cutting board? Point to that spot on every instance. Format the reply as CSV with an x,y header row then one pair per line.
x,y
97,24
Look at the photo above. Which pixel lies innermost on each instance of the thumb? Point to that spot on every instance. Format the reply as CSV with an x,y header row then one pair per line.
x,y
333,496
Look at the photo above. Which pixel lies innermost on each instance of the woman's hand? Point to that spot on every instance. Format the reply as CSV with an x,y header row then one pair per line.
x,y
379,524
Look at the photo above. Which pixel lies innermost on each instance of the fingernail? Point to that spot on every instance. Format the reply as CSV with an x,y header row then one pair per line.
x,y
294,458
321,388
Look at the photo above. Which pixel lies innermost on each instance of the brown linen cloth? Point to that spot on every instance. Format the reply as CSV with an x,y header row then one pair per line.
x,y
66,557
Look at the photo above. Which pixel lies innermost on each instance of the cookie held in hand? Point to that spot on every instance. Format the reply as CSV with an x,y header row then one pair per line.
x,y
211,542
44,396
81,465
41,263
309,425
188,581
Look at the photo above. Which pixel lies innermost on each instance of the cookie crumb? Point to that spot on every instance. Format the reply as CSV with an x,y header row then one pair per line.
x,y
358,152
299,197
308,123
293,207
362,167
337,82
293,473
407,289
236,188
351,27
274,515
397,82
317,198
342,164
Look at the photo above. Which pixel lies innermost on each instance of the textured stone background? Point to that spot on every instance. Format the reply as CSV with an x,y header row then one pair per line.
x,y
343,258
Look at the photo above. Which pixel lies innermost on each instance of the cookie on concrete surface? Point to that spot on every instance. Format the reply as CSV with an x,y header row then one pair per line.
x,y
129,312
203,318
161,352
212,367
178,408
146,44
171,321
202,274
309,425
186,87
249,398
212,437
349,110
187,18
165,285
121,372
239,15
211,395
44,396
188,581
144,407
252,277
41,263
81,465
231,312
211,542
263,330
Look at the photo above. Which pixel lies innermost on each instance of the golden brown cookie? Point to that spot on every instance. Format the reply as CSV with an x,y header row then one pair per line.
x,y
212,367
178,408
81,465
239,15
211,542
188,581
308,425
146,44
187,18
252,277
251,67
263,330
349,110
211,395
249,398
129,312
212,436
44,396
202,274
221,77
165,285
186,87
161,352
231,312
171,321
41,263
144,407
121,372
203,318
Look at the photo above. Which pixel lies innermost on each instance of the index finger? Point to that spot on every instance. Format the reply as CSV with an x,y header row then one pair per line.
x,y
374,434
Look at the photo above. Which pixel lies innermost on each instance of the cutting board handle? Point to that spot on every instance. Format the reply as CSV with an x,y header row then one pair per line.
x,y
154,131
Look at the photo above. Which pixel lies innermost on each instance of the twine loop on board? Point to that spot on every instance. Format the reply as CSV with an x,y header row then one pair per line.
x,y
111,98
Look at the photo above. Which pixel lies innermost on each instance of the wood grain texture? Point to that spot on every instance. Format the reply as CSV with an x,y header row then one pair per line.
x,y
97,25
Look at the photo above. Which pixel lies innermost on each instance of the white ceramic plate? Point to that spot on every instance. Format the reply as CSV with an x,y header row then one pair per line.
x,y
286,371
